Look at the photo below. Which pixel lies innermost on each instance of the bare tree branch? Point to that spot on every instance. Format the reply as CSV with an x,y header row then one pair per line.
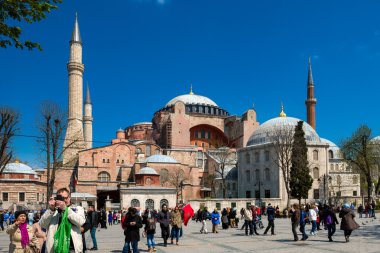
x,y
8,127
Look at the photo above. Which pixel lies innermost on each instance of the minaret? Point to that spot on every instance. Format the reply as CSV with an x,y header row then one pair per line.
x,y
87,119
74,140
310,101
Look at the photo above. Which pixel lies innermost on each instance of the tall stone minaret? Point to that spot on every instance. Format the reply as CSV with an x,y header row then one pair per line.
x,y
87,119
74,140
311,100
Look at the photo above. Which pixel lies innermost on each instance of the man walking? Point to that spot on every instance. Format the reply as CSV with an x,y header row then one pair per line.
x,y
295,220
164,218
204,214
302,223
94,221
270,214
248,221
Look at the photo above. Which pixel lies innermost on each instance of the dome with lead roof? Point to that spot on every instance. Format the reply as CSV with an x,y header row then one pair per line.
x,y
147,171
264,132
160,159
18,168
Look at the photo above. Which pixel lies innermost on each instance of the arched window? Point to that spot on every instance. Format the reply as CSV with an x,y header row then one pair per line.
x,y
149,203
135,203
331,167
267,174
315,173
247,158
164,176
331,154
103,176
355,180
339,180
164,201
315,155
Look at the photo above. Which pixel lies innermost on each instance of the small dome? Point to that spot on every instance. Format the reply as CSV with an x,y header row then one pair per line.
x,y
189,99
142,123
147,171
18,168
333,147
160,159
268,128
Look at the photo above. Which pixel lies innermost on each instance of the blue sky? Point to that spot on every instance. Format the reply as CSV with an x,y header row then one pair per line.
x,y
139,54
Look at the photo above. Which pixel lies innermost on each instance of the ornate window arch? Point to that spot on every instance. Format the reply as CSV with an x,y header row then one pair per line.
x,y
149,203
315,173
104,176
135,203
331,154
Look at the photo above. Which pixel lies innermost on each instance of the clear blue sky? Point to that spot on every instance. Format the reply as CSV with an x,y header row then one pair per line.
x,y
139,54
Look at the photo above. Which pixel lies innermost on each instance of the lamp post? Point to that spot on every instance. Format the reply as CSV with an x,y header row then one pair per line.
x,y
325,178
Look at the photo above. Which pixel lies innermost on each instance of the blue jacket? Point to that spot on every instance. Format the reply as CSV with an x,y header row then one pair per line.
x,y
6,216
302,216
215,218
270,213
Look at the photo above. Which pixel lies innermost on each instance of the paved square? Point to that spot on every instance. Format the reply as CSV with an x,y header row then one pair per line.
x,y
365,239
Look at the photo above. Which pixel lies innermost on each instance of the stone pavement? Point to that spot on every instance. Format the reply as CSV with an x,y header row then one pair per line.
x,y
365,239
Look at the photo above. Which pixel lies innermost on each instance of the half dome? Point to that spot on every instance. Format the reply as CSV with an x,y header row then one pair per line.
x,y
268,128
147,171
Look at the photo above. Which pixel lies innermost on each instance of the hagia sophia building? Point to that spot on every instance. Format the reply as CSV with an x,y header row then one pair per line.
x,y
170,159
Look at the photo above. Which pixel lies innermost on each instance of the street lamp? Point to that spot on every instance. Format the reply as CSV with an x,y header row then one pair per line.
x,y
325,178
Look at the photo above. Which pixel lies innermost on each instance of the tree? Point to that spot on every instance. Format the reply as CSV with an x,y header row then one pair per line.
x,y
8,128
16,11
210,182
362,154
225,159
177,178
300,179
282,141
52,125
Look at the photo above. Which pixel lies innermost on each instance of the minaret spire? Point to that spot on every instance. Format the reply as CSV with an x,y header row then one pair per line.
x,y
75,37
282,113
88,97
310,101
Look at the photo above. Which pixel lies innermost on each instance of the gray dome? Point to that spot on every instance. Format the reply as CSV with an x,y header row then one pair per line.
x,y
18,168
268,128
189,99
147,171
333,147
160,159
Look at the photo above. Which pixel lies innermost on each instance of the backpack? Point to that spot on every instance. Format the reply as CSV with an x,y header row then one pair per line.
x,y
151,224
329,220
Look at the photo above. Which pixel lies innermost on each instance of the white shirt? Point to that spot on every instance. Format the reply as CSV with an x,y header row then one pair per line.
x,y
312,214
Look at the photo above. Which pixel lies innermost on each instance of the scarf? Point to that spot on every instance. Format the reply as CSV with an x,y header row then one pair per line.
x,y
24,235
62,236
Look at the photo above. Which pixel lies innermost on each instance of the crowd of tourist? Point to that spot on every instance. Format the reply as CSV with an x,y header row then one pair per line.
x,y
62,226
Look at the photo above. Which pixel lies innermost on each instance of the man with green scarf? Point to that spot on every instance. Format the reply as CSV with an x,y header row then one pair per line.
x,y
63,222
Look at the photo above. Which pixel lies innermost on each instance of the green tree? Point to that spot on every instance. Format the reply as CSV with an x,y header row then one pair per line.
x,y
300,179
14,12
362,153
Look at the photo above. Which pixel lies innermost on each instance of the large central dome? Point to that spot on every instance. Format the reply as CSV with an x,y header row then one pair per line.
x,y
189,99
267,129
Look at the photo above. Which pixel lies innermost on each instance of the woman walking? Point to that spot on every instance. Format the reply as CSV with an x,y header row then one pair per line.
x,y
225,219
132,225
176,224
150,229
215,220
22,236
313,220
330,220
348,223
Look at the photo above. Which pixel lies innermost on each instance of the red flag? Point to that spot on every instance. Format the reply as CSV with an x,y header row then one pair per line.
x,y
188,212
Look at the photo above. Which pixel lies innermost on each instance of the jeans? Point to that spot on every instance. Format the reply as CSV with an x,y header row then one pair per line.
x,y
248,224
360,214
93,232
294,230
302,230
313,226
204,227
150,239
331,229
270,226
126,247
175,233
